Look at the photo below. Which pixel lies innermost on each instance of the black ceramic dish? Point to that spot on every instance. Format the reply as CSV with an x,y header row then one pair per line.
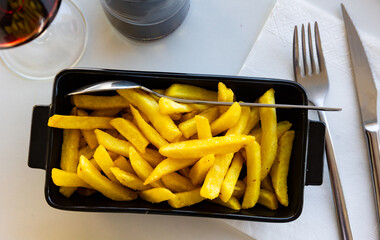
x,y
306,161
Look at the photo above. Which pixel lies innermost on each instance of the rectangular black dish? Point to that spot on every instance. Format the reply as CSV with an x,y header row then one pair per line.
x,y
306,161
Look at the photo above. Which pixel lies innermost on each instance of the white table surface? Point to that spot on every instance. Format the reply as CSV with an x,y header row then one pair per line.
x,y
222,50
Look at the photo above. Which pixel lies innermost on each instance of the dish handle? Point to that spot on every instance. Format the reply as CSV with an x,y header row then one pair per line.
x,y
39,137
315,153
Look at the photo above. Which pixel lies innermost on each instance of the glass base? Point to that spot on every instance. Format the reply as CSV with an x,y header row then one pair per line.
x,y
60,46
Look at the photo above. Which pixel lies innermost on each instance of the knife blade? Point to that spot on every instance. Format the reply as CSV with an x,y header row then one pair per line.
x,y
367,96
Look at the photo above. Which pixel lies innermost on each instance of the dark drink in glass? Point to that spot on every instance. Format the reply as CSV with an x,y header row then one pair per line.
x,y
23,20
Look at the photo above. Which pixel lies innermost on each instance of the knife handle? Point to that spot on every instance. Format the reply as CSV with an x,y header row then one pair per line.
x,y
336,185
372,132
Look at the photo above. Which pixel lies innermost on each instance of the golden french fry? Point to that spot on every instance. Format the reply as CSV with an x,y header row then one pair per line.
x,y
177,183
168,106
199,148
187,116
146,104
131,133
88,173
269,133
214,178
105,162
122,147
229,182
70,150
156,195
149,132
282,127
227,120
199,171
253,120
88,135
79,122
266,184
189,127
67,191
122,163
252,190
142,167
241,125
167,166
112,112
92,102
268,199
239,189
96,165
128,179
86,151
224,95
185,199
63,178
190,92
232,203
203,127
280,168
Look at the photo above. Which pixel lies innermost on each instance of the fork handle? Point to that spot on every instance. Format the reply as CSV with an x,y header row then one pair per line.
x,y
340,204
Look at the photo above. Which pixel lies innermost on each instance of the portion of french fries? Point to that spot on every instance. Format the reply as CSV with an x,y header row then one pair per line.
x,y
135,145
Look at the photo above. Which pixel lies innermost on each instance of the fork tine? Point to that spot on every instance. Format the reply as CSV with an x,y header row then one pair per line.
x,y
321,59
312,63
296,65
305,66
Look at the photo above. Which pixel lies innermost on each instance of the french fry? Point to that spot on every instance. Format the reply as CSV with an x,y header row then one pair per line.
x,y
79,122
266,184
231,178
105,162
168,106
146,104
142,167
128,179
224,95
149,132
282,127
253,120
190,92
185,171
131,133
203,127
280,168
252,190
167,166
199,148
227,120
92,102
241,125
86,151
199,171
187,116
122,163
214,178
88,135
177,183
96,165
268,199
88,173
239,189
189,127
269,133
185,199
232,203
63,178
122,147
156,195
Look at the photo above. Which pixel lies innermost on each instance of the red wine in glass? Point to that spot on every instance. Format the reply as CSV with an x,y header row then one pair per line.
x,y
23,20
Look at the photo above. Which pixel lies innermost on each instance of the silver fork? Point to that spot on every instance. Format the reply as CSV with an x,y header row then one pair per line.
x,y
316,84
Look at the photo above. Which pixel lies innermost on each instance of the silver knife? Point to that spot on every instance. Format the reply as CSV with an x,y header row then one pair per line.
x,y
367,96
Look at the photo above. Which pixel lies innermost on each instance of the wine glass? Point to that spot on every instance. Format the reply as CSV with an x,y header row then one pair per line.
x,y
36,40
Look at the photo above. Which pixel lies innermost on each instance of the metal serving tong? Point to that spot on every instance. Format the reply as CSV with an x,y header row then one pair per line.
x,y
122,84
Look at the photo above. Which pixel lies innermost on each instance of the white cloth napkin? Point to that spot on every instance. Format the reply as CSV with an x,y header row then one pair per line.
x,y
271,56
